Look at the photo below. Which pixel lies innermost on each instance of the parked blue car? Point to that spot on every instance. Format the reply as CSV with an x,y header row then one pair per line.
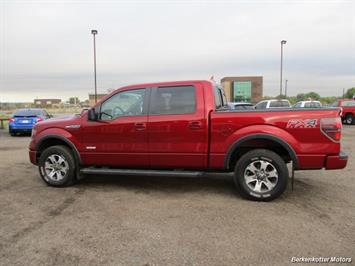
x,y
23,120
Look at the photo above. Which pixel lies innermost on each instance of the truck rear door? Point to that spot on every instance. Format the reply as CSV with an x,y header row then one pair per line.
x,y
177,127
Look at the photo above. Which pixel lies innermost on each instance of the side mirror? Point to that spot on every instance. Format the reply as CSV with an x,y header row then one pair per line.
x,y
92,115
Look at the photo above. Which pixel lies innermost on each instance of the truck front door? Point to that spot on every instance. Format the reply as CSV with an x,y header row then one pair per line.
x,y
119,136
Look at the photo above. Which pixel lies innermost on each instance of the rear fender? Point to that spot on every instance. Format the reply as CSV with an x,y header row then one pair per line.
x,y
267,132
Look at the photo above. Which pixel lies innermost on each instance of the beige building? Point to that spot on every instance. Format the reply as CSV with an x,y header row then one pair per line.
x,y
92,98
47,103
243,89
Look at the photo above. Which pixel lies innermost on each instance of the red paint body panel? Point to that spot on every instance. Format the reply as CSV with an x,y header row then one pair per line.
x,y
199,140
115,143
336,162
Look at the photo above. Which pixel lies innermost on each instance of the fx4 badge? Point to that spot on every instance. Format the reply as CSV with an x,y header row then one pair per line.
x,y
302,123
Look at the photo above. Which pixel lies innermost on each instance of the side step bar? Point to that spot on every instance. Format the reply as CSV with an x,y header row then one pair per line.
x,y
167,173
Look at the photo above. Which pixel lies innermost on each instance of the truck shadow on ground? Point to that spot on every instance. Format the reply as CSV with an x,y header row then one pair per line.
x,y
173,185
152,184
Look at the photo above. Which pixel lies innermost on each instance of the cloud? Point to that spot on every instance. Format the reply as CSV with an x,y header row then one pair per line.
x,y
46,48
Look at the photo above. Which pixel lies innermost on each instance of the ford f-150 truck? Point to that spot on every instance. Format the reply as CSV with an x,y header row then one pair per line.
x,y
185,129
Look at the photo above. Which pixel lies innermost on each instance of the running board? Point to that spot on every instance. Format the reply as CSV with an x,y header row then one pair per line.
x,y
170,173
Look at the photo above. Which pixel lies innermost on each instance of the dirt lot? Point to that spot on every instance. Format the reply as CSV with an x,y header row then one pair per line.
x,y
169,221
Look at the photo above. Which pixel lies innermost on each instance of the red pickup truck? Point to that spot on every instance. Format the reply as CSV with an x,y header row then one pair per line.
x,y
348,110
185,129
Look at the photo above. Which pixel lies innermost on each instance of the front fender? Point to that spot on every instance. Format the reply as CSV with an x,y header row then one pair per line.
x,y
56,133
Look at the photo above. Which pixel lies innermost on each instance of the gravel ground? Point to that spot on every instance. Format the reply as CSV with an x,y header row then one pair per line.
x,y
170,221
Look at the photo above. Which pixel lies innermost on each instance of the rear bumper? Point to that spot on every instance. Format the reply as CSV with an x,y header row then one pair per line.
x,y
33,157
336,161
20,128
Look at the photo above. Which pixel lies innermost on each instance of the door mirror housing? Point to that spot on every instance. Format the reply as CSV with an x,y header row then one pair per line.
x,y
92,115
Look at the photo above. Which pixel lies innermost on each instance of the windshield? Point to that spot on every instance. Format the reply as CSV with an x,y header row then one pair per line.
x,y
28,112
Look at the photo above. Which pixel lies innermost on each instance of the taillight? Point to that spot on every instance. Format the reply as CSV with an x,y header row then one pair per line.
x,y
11,120
39,119
331,128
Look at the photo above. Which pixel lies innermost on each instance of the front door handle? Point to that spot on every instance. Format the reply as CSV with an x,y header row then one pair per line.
x,y
195,124
140,126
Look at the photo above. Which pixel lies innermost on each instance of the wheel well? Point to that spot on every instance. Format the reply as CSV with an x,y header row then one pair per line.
x,y
259,143
348,113
52,142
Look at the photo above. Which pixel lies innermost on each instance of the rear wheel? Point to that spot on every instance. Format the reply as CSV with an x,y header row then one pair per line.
x,y
261,175
12,133
57,166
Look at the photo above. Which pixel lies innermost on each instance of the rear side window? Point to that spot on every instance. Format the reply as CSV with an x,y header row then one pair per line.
x,y
217,98
173,100
348,103
275,104
285,104
315,105
261,105
27,112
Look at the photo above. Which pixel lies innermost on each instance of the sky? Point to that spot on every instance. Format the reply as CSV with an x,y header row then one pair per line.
x,y
46,47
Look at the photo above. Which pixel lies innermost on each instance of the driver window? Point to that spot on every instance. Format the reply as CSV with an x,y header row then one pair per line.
x,y
126,103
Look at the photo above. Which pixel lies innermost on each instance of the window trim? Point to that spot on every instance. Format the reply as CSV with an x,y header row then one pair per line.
x,y
145,104
154,91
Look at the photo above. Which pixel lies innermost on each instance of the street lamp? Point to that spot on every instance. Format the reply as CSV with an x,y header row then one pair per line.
x,y
286,88
94,32
282,43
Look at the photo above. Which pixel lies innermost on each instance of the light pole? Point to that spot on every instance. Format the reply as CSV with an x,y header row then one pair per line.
x,y
286,88
282,43
94,32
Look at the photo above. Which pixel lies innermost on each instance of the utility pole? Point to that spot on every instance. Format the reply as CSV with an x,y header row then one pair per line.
x,y
94,32
286,88
282,44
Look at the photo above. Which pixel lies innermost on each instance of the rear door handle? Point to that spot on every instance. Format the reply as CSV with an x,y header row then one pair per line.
x,y
140,126
195,124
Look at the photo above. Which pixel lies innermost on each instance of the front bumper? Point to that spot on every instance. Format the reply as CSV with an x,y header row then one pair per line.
x,y
336,161
33,157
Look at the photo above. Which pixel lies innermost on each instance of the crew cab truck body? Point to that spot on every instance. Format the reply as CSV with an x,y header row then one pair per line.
x,y
184,129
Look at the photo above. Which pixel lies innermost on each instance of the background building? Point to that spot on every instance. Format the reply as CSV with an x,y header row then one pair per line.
x,y
47,103
243,89
92,98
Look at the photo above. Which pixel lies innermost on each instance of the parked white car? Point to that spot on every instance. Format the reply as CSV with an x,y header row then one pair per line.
x,y
275,103
240,106
308,104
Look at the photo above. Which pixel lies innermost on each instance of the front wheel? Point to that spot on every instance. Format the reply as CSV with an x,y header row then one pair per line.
x,y
261,175
57,166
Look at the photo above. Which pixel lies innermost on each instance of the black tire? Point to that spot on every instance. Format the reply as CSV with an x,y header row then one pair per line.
x,y
61,171
12,133
349,119
269,184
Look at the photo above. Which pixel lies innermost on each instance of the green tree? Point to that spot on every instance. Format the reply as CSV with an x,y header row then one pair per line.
x,y
300,97
328,100
350,93
313,96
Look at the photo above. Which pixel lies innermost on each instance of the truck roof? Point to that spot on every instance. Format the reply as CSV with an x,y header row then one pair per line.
x,y
165,83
